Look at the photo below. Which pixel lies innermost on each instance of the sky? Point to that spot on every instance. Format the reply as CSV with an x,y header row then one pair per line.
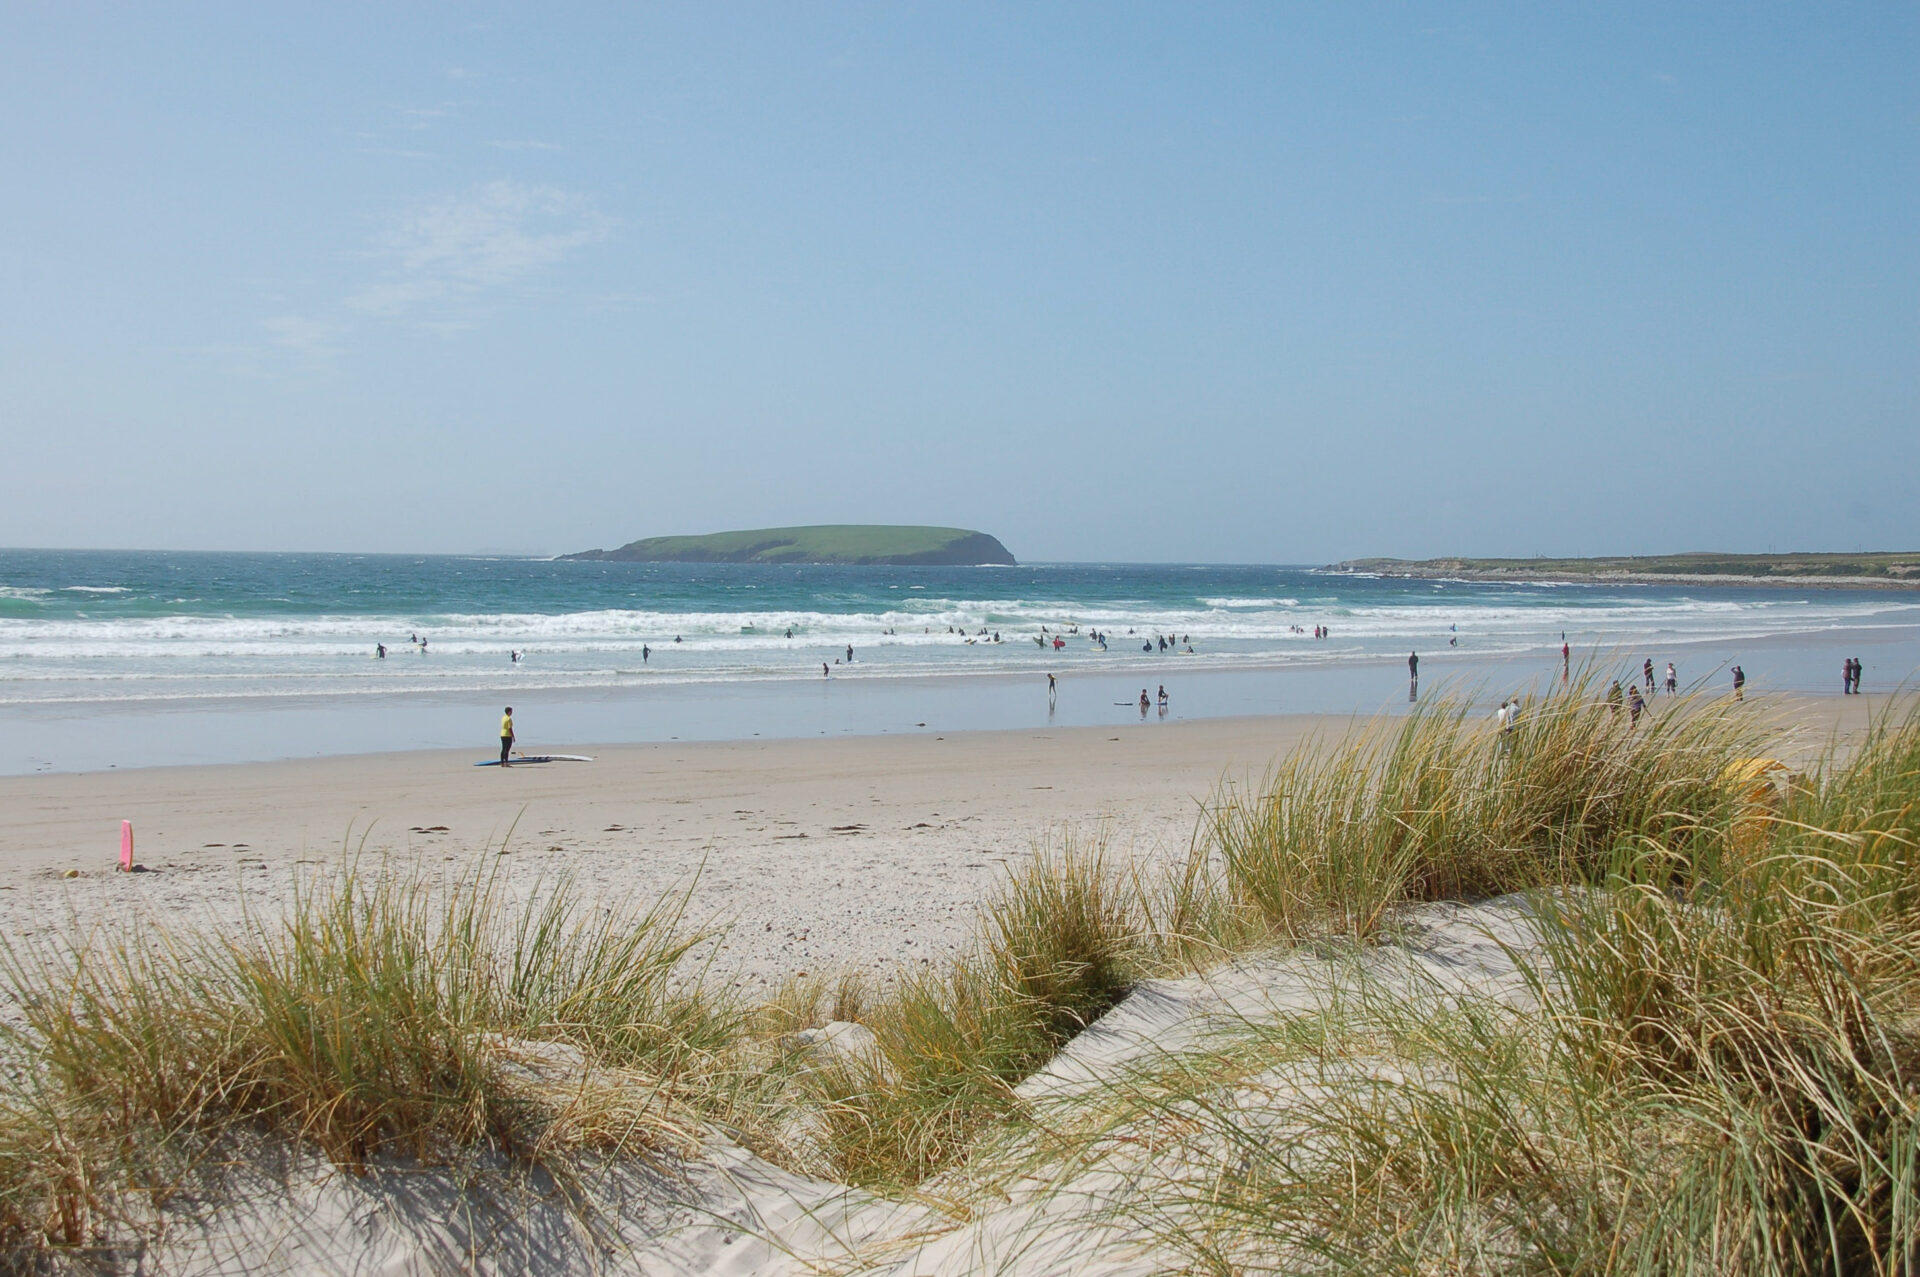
x,y
1183,282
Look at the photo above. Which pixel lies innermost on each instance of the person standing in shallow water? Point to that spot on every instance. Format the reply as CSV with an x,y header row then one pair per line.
x,y
506,736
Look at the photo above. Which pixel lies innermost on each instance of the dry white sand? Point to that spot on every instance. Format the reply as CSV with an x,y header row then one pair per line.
x,y
865,853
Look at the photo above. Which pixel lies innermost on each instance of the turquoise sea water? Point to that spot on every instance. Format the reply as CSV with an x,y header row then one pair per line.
x,y
92,640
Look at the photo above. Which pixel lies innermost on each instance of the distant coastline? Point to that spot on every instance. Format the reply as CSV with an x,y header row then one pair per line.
x,y
1876,571
854,544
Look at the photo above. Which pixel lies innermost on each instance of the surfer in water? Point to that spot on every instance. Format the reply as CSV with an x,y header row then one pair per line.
x,y
506,735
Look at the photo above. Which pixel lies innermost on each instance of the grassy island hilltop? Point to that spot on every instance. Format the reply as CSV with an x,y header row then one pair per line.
x,y
1900,570
852,543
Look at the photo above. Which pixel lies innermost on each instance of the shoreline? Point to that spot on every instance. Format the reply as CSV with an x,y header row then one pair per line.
x,y
64,739
1630,578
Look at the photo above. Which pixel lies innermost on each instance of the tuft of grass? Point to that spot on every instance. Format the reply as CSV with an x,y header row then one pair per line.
x,y
1058,946
376,1017
1444,807
806,1001
1720,1070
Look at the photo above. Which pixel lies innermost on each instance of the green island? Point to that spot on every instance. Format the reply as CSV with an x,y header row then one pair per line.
x,y
1874,570
850,543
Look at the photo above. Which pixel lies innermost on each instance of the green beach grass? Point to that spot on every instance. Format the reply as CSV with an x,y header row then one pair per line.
x,y
1717,1068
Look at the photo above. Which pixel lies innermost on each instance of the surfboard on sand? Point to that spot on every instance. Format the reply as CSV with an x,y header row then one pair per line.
x,y
538,758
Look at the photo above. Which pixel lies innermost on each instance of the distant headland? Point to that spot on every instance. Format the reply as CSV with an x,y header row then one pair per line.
x,y
852,543
1834,571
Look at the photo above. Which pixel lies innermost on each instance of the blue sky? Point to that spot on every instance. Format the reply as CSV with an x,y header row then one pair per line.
x,y
1204,283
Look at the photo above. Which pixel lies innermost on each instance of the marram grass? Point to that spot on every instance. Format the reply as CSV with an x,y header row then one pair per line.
x,y
376,1017
1058,947
1719,1071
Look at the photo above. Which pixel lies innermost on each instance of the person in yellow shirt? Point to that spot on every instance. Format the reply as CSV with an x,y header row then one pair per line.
x,y
506,736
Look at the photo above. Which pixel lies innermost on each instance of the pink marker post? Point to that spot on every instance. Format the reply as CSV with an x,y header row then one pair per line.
x,y
126,846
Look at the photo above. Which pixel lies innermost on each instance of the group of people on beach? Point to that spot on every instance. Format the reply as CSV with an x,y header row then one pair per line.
x,y
380,649
1147,702
1635,704
1850,676
1672,684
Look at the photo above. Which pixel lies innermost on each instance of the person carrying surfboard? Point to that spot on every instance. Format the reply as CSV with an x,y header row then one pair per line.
x,y
506,736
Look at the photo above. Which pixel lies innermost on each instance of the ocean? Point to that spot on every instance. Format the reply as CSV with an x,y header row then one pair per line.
x,y
94,639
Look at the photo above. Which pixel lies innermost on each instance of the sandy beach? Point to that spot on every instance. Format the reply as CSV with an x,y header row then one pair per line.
x,y
853,852
863,852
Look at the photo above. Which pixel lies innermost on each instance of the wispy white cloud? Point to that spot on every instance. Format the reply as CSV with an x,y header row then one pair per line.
x,y
316,340
442,266
425,117
491,236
